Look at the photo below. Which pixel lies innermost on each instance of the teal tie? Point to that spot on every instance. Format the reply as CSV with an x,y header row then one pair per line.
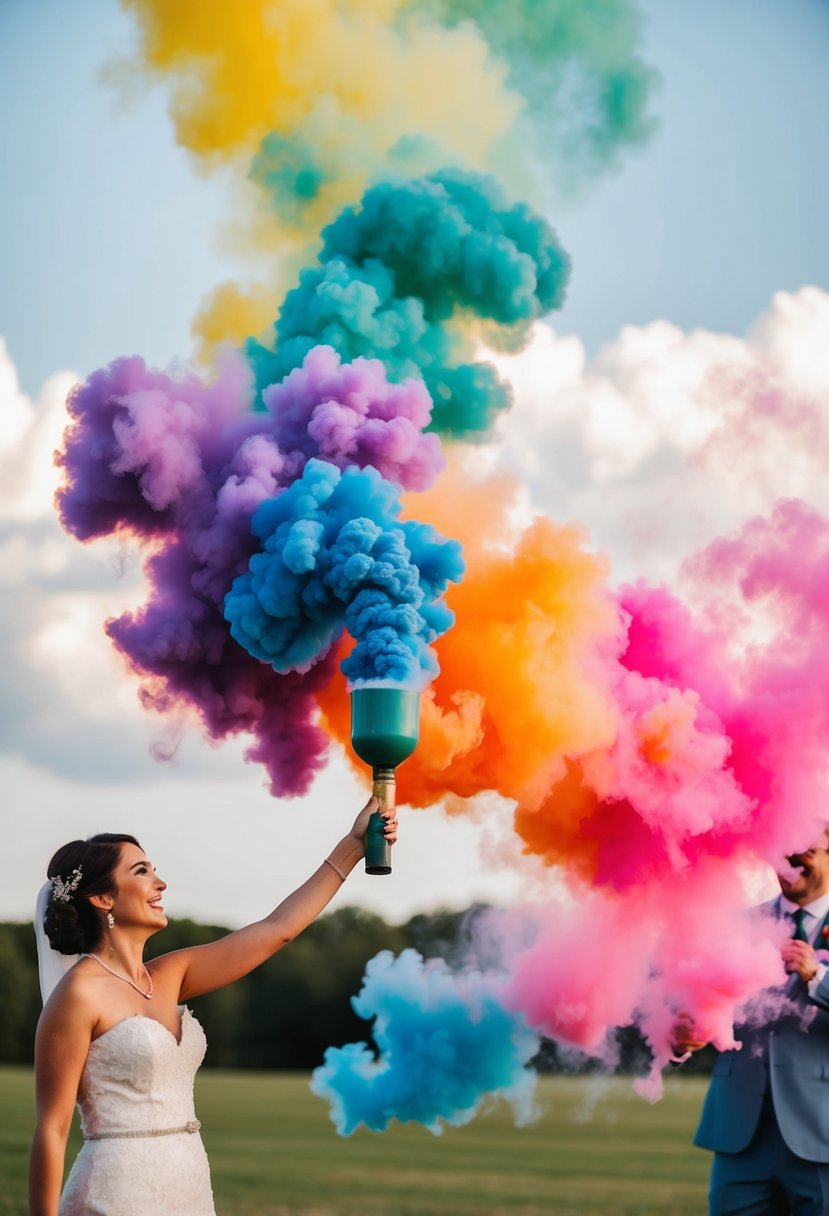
x,y
800,934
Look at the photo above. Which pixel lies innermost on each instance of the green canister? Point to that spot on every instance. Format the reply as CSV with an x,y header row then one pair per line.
x,y
385,724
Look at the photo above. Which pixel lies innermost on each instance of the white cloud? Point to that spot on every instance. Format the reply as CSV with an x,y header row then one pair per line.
x,y
66,703
793,337
30,432
667,438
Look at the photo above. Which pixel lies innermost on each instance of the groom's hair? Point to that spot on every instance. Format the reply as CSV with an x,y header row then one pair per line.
x,y
72,925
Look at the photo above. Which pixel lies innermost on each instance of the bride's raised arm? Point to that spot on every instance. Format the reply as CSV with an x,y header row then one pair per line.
x,y
199,969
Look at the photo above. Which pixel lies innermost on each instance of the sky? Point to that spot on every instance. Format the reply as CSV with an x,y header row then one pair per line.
x,y
705,247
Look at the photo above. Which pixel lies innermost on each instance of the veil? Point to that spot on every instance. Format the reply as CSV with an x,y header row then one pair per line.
x,y
51,964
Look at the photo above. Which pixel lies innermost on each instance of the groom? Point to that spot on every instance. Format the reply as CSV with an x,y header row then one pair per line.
x,y
766,1113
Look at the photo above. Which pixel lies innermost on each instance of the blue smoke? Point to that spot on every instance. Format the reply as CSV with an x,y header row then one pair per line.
x,y
396,273
333,555
446,1042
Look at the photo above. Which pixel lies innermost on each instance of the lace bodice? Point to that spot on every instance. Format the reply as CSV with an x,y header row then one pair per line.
x,y
139,1078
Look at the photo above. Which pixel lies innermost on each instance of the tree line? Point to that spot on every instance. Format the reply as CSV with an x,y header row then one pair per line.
x,y
281,1016
288,1011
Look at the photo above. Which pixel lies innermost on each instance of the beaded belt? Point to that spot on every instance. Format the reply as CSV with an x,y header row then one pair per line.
x,y
192,1126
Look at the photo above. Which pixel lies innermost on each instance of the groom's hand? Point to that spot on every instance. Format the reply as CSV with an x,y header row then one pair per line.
x,y
800,957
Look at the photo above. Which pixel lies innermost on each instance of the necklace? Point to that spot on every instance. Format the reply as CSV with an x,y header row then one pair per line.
x,y
118,976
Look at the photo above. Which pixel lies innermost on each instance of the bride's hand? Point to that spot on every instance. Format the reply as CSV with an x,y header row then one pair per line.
x,y
360,825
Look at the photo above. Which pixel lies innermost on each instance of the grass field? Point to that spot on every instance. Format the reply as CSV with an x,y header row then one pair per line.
x,y
597,1150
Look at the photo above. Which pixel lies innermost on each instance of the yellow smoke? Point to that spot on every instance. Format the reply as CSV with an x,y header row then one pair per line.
x,y
340,72
231,314
364,94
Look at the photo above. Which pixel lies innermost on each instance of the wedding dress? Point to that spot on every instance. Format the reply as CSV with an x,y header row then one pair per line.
x,y
138,1082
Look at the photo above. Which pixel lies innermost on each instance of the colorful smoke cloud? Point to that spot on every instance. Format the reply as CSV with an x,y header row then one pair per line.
x,y
307,107
189,466
446,1042
649,758
305,520
394,274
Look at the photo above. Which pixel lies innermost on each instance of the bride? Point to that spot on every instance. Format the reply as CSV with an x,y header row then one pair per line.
x,y
115,1036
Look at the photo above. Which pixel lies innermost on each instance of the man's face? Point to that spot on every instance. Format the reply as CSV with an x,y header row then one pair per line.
x,y
813,877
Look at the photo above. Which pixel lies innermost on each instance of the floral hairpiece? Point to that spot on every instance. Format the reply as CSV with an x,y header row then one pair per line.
x,y
63,891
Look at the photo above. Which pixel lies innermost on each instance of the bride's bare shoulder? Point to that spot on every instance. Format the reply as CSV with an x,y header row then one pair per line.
x,y
74,998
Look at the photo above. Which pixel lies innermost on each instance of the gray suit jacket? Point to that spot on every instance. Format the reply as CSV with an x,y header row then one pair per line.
x,y
784,1059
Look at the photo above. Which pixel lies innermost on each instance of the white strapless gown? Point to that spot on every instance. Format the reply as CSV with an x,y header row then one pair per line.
x,y
137,1077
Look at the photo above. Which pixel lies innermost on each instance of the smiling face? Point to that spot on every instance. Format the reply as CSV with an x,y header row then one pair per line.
x,y
812,880
138,891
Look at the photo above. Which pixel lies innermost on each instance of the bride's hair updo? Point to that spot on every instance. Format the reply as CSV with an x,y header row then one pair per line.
x,y
72,925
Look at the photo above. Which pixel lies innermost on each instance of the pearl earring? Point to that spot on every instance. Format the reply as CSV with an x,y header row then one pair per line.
x,y
110,920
